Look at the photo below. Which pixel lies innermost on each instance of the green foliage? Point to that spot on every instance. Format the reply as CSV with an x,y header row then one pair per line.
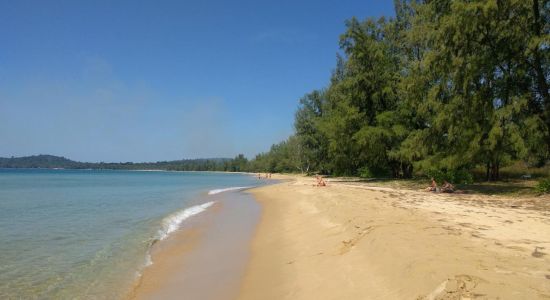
x,y
50,161
312,144
444,88
366,172
445,85
238,164
453,176
543,186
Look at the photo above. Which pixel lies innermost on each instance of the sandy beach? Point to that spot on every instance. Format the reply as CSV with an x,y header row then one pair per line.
x,y
206,258
354,241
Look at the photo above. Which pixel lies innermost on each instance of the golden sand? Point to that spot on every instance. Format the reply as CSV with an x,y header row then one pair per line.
x,y
206,258
161,279
352,241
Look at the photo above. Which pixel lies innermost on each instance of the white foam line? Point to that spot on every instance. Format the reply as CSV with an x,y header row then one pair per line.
x,y
217,191
173,221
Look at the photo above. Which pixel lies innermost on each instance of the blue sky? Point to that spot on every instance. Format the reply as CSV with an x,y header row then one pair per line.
x,y
162,80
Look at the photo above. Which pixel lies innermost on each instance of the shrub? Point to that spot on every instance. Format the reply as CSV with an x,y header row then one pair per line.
x,y
543,186
438,175
461,176
365,172
372,172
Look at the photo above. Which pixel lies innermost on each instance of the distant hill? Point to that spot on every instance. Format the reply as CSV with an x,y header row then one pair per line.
x,y
39,161
52,162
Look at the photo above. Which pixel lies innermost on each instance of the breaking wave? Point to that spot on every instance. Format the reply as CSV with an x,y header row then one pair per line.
x,y
172,222
217,191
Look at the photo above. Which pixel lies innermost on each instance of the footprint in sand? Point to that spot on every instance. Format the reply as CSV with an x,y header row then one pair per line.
x,y
538,254
459,287
348,244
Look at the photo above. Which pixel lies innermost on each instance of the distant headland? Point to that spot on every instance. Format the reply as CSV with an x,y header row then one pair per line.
x,y
43,161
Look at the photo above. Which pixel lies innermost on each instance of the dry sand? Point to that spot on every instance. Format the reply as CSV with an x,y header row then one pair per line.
x,y
352,241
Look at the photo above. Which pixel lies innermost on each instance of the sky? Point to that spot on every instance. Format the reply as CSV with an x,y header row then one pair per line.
x,y
162,80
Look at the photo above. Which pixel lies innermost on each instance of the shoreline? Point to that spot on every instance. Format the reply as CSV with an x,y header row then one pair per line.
x,y
363,242
134,170
211,247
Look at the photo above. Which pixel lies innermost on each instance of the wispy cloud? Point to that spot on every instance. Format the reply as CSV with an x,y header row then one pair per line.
x,y
95,115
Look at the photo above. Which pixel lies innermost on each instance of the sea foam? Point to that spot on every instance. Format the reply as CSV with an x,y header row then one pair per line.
x,y
217,191
173,221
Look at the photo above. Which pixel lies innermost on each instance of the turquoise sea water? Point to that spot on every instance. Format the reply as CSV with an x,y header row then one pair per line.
x,y
84,234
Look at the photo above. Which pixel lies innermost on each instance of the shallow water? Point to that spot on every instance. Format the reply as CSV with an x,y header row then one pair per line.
x,y
86,234
205,260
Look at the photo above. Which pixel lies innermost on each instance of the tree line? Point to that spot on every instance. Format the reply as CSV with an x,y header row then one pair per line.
x,y
444,86
441,89
203,164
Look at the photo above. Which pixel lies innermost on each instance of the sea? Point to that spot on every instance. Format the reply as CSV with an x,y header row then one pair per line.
x,y
87,234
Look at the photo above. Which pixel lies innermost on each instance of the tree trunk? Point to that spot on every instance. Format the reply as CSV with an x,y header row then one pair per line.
x,y
407,169
493,171
395,171
542,85
488,172
541,78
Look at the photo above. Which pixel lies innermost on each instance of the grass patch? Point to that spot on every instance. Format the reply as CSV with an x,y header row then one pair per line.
x,y
505,188
509,187
543,186
515,171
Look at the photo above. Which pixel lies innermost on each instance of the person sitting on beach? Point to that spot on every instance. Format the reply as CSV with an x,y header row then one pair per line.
x,y
447,187
432,187
320,181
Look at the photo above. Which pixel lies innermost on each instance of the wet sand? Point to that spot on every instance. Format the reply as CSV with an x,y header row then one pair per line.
x,y
206,258
354,241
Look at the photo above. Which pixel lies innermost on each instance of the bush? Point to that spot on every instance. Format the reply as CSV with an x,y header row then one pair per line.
x,y
365,172
462,177
543,186
437,175
453,176
372,172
